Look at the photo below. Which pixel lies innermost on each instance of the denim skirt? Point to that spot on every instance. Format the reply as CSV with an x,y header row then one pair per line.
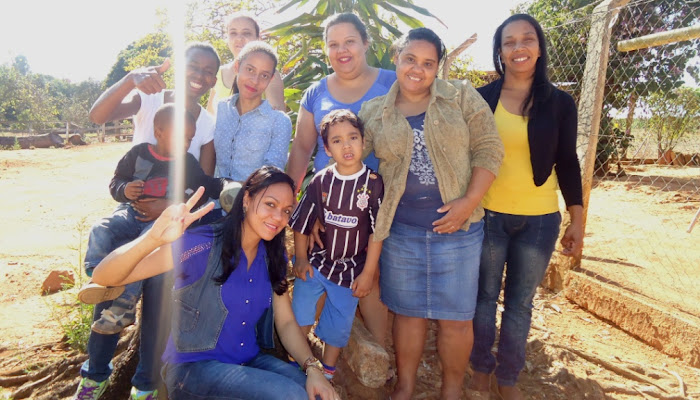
x,y
429,275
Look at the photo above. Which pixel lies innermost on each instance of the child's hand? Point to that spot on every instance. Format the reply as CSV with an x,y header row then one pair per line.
x,y
134,189
362,286
301,267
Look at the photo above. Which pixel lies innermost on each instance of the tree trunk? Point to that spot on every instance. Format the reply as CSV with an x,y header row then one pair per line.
x,y
37,141
631,106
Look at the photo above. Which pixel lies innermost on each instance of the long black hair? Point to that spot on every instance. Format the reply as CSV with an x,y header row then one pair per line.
x,y
257,182
541,87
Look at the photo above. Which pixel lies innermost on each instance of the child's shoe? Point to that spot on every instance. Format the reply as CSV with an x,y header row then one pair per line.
x,y
93,293
143,394
114,319
89,389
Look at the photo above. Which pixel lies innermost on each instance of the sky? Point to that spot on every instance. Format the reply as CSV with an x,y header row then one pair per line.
x,y
80,39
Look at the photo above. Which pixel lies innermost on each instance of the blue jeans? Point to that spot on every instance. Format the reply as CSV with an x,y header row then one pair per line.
x,y
111,232
155,328
263,378
525,244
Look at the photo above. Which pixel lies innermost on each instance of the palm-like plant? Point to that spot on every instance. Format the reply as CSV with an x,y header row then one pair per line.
x,y
303,37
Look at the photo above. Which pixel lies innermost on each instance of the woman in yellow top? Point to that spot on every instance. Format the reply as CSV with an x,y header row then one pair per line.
x,y
438,152
537,124
241,29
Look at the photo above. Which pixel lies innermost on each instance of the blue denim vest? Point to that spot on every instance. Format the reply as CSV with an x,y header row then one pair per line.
x,y
199,310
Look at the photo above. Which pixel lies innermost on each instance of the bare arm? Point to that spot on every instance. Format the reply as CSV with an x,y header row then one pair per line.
x,y
115,103
302,146
207,158
275,92
150,254
295,343
572,241
362,286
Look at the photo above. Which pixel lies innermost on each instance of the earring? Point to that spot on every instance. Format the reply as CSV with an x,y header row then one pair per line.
x,y
500,63
245,210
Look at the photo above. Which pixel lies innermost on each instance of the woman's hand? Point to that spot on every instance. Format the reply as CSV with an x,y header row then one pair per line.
x,y
301,267
318,385
316,235
458,212
572,241
150,208
171,224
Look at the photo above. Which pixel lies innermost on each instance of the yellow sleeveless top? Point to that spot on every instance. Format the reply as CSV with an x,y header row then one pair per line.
x,y
222,91
514,191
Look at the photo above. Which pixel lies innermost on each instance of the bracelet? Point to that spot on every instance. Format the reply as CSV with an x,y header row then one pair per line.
x,y
312,362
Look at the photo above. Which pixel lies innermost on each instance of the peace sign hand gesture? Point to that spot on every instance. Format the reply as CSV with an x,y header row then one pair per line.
x,y
171,224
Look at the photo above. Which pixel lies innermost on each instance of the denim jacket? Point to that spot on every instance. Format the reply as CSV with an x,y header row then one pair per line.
x,y
460,134
199,310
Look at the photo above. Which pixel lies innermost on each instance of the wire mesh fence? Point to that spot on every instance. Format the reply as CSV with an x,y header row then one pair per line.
x,y
646,183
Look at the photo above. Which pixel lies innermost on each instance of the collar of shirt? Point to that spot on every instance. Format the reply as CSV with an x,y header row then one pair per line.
x,y
263,109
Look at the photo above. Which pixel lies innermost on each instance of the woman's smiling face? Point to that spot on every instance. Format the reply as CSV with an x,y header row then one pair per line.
x,y
345,48
417,66
520,47
268,212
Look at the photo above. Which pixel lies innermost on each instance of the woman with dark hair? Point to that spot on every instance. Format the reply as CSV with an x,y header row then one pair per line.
x,y
352,83
228,279
438,152
537,123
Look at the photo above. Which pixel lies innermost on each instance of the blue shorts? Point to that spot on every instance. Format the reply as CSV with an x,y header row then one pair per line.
x,y
424,274
335,323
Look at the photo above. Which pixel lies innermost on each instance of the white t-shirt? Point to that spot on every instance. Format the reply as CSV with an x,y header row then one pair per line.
x,y
143,123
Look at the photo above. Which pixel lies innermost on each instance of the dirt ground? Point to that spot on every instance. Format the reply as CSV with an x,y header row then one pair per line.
x,y
48,194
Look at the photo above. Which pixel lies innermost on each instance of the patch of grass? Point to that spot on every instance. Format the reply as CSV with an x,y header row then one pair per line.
x,y
73,316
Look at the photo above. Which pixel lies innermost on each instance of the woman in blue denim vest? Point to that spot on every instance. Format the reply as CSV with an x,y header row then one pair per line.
x,y
228,279
537,123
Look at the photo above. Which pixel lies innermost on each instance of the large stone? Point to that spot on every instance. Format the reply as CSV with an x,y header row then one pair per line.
x,y
57,281
367,359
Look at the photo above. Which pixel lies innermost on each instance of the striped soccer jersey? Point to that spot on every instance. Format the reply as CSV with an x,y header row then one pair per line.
x,y
347,206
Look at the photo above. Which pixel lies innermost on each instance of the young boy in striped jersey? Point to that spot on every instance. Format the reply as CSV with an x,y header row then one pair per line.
x,y
345,197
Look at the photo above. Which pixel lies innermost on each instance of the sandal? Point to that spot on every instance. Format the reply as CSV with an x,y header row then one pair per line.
x,y
93,293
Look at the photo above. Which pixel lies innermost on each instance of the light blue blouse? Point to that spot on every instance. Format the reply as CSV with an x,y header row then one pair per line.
x,y
244,143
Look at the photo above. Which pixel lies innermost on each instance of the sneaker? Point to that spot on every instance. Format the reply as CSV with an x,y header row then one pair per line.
x,y
93,293
114,319
143,394
89,389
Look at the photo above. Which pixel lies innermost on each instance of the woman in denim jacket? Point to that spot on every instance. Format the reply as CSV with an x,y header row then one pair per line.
x,y
438,152
228,278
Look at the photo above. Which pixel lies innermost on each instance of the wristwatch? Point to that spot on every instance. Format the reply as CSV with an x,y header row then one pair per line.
x,y
312,362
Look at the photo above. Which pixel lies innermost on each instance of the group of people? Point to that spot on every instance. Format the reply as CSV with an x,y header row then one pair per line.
x,y
426,193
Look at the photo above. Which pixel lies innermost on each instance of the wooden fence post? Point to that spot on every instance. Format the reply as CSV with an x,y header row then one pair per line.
x,y
590,108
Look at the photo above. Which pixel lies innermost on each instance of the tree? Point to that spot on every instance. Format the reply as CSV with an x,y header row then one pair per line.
x,y
673,116
630,75
302,37
151,49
